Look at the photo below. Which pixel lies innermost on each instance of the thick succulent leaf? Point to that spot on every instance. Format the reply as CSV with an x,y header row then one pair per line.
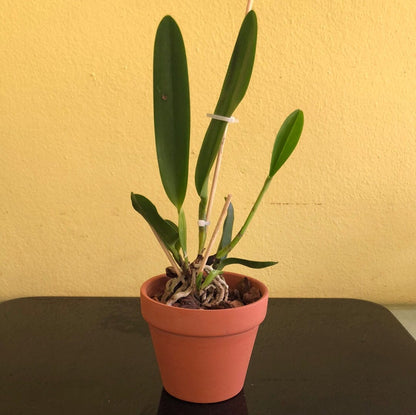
x,y
176,230
286,140
246,263
233,90
164,229
171,109
227,228
172,225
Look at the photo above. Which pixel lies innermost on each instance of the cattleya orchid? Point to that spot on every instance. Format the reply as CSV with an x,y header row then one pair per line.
x,y
200,281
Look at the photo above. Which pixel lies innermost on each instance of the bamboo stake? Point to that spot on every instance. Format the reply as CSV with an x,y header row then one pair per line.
x,y
167,253
249,6
216,174
215,233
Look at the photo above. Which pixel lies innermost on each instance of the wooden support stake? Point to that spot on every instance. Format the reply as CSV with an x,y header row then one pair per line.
x,y
249,6
216,175
215,233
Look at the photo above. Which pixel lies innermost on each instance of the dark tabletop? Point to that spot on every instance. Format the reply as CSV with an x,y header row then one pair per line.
x,y
65,355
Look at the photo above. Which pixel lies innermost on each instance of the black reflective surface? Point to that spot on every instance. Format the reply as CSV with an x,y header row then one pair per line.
x,y
169,405
61,355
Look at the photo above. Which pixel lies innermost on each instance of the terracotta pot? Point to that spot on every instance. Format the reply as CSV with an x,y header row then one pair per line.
x,y
203,355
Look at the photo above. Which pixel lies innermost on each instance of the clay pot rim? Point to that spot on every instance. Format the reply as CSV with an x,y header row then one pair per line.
x,y
199,322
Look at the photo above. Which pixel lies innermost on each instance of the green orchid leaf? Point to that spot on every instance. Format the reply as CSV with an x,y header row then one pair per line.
x,y
233,90
199,280
164,229
286,140
178,242
227,228
246,263
176,230
172,225
171,109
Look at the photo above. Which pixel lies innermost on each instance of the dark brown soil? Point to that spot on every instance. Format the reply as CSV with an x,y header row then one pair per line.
x,y
242,295
246,293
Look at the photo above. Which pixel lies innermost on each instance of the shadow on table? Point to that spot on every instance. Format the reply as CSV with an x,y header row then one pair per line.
x,y
170,405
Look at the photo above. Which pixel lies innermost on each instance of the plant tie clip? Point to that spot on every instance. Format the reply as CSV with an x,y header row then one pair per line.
x,y
222,118
202,223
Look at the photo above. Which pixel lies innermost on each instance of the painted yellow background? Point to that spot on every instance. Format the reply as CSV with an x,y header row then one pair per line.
x,y
76,134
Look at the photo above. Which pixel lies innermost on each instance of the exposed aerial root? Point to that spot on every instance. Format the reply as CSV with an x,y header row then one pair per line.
x,y
172,286
178,295
185,284
215,293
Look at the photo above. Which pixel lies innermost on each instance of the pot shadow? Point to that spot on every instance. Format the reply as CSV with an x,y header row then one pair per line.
x,y
170,405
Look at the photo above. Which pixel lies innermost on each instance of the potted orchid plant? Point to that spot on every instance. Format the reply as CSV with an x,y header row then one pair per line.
x,y
195,298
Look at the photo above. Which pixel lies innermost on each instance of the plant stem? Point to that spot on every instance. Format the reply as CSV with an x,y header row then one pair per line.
x,y
215,233
202,216
182,233
223,252
167,253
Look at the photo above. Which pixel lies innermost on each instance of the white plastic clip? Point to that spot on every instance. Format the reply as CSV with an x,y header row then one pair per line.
x,y
222,118
203,223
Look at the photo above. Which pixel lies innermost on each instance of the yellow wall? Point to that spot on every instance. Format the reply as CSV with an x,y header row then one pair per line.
x,y
76,136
